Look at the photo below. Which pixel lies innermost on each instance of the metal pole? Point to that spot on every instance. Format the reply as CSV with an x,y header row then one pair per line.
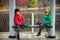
x,y
52,7
32,22
11,18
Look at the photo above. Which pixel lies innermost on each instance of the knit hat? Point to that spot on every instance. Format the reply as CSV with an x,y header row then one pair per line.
x,y
47,10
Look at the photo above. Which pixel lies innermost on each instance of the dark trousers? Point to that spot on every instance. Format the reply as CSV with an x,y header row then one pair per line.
x,y
17,29
41,27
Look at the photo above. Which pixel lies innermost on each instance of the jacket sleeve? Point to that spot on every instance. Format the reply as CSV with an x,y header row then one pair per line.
x,y
23,20
16,21
49,19
44,19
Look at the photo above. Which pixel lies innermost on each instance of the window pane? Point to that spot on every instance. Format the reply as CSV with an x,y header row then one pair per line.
x,y
4,15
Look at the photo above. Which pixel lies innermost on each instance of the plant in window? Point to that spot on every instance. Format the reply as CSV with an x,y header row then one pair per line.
x,y
22,2
33,3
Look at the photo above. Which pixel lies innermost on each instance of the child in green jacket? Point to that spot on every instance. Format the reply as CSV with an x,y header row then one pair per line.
x,y
46,21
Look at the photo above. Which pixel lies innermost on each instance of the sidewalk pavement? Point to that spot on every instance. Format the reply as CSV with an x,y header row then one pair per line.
x,y
29,36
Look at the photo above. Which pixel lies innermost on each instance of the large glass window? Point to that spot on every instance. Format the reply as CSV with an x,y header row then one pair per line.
x,y
57,15
23,5
4,15
39,13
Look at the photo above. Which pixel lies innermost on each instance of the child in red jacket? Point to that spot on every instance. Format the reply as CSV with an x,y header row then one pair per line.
x,y
19,19
19,22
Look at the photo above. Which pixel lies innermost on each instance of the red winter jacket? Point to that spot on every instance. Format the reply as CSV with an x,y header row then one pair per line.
x,y
19,19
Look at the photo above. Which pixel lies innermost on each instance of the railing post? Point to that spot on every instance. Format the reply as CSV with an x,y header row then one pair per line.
x,y
32,22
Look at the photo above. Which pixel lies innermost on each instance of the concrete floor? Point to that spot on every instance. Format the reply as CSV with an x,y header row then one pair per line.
x,y
29,36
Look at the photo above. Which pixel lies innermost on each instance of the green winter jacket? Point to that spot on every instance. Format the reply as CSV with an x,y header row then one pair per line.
x,y
47,19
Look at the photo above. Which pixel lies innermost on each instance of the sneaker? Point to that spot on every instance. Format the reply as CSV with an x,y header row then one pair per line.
x,y
38,34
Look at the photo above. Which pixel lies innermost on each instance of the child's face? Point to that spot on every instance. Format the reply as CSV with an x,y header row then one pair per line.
x,y
46,11
18,12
